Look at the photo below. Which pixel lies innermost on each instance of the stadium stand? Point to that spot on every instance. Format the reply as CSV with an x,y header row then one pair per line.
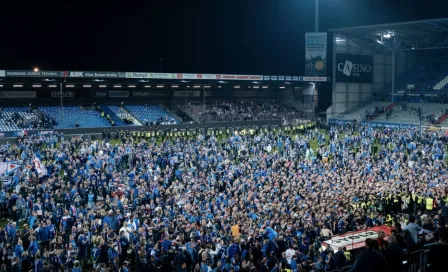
x,y
150,113
425,77
114,113
9,115
239,111
69,116
23,118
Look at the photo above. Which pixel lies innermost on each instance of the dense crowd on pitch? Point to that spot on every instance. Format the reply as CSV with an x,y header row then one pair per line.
x,y
253,199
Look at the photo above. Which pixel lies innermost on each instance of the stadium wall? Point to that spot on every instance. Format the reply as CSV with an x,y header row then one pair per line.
x,y
348,96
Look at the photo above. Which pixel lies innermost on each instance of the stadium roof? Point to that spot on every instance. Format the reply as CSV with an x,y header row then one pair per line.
x,y
414,35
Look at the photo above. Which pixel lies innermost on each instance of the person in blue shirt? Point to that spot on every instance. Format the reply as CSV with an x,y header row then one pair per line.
x,y
33,247
44,236
233,250
18,250
166,244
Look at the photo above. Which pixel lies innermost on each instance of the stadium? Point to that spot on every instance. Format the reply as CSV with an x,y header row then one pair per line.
x,y
342,168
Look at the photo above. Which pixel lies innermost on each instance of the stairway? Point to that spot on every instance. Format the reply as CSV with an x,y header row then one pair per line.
x,y
441,84
390,106
118,121
442,118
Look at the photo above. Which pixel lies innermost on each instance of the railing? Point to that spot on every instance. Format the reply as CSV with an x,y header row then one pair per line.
x,y
346,111
418,260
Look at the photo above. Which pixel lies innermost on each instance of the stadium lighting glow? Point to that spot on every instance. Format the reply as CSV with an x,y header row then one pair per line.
x,y
37,86
222,82
265,87
103,86
52,86
196,86
88,86
1,85
256,87
98,80
147,86
175,86
388,34
207,87
69,86
282,87
159,86
117,86
413,48
36,69
131,86
219,87
18,86
255,82
237,87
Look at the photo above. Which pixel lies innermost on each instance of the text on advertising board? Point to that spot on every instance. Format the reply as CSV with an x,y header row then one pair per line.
x,y
64,94
17,94
97,74
33,74
354,68
118,94
241,77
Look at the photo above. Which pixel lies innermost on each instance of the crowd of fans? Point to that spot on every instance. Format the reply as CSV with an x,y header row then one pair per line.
x,y
378,110
252,199
243,111
38,120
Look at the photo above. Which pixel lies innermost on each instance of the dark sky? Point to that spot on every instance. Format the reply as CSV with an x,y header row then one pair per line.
x,y
214,36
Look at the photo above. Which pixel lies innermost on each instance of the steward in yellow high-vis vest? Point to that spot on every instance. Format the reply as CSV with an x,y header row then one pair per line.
x,y
429,204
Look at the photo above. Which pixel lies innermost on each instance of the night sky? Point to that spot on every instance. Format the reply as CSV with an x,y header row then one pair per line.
x,y
214,36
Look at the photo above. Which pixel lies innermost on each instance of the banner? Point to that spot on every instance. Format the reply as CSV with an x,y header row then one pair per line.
x,y
186,93
17,94
137,75
40,168
7,168
316,53
162,76
18,73
2,73
266,78
354,68
311,78
239,77
146,93
273,77
355,239
101,94
68,94
97,74
295,78
118,94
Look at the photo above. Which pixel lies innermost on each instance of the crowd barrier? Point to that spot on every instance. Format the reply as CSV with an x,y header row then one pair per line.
x,y
12,135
